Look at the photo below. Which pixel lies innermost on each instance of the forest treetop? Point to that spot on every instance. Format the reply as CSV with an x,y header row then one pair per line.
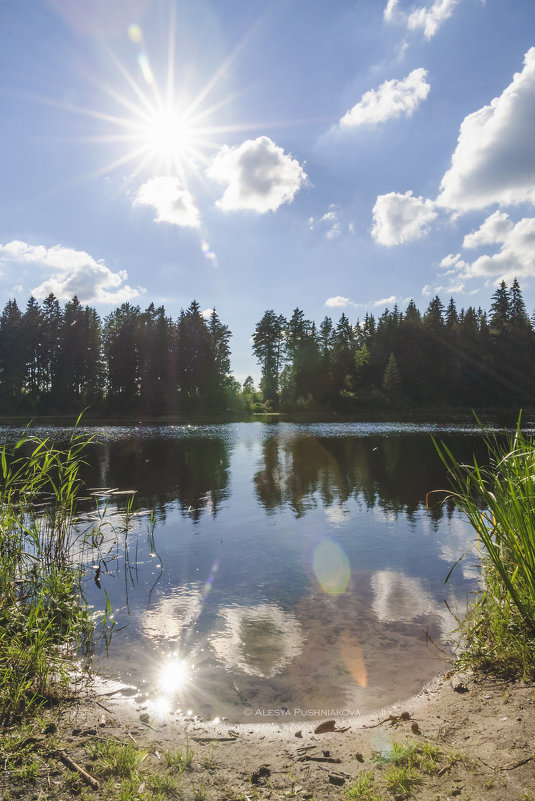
x,y
59,359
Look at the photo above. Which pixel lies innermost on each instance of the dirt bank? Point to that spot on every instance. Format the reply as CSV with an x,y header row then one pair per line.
x,y
472,737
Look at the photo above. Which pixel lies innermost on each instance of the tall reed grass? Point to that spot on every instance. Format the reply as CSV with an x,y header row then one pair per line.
x,y
43,613
498,499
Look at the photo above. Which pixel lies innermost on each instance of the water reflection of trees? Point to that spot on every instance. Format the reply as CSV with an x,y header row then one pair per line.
x,y
393,473
193,471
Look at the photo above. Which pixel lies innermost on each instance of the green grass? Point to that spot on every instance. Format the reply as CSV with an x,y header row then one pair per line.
x,y
44,618
499,502
116,759
399,770
177,758
363,788
400,781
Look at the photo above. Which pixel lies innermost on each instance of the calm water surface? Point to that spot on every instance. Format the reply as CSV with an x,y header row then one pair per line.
x,y
293,569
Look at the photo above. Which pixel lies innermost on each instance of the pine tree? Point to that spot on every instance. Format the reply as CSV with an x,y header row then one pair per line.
x,y
12,361
392,380
268,340
500,310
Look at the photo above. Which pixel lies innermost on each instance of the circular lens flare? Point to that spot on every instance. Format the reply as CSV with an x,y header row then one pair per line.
x,y
331,567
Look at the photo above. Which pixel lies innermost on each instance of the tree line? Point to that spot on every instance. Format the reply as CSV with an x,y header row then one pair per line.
x,y
403,359
55,359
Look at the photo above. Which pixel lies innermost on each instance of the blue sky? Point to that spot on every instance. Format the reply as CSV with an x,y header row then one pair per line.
x,y
336,155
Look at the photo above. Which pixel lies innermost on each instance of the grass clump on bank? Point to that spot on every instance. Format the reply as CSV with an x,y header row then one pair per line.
x,y
43,615
499,502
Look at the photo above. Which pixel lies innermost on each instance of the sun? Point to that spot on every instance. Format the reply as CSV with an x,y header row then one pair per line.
x,y
155,122
169,134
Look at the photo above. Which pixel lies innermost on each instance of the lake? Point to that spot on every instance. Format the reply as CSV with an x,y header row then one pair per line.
x,y
290,570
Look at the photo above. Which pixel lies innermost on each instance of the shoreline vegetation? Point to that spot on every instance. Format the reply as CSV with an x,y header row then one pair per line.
x,y
59,741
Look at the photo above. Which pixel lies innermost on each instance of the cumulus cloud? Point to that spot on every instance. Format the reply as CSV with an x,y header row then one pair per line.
x,y
74,272
383,301
450,260
401,218
338,302
392,99
427,18
173,203
494,161
495,229
259,175
516,254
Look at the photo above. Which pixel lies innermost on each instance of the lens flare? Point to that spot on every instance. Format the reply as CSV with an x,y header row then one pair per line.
x,y
331,567
135,33
352,655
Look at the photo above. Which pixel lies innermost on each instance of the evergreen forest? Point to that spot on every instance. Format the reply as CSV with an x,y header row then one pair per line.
x,y
59,359
443,358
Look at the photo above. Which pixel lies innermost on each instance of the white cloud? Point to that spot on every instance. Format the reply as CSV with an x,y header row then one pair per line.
x,y
494,161
390,301
429,19
338,302
207,313
173,203
456,288
392,99
259,175
425,18
516,256
401,218
330,222
450,260
75,272
426,290
495,229
390,8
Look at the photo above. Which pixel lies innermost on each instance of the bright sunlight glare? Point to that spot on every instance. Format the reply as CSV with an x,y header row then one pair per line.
x,y
169,135
173,675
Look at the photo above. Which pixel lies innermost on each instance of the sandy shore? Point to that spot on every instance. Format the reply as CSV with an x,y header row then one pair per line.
x,y
484,731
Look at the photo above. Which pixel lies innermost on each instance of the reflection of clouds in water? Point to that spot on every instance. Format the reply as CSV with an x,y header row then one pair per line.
x,y
399,598
383,515
259,640
461,540
172,615
336,515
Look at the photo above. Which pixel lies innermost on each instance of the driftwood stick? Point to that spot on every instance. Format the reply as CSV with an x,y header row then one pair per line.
x,y
335,772
308,758
205,740
88,779
510,765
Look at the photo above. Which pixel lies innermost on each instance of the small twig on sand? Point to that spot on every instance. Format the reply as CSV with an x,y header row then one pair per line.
x,y
308,758
88,779
510,765
205,740
105,708
335,772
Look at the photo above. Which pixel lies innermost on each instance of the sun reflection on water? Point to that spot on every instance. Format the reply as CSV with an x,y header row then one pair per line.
x,y
173,675
172,678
